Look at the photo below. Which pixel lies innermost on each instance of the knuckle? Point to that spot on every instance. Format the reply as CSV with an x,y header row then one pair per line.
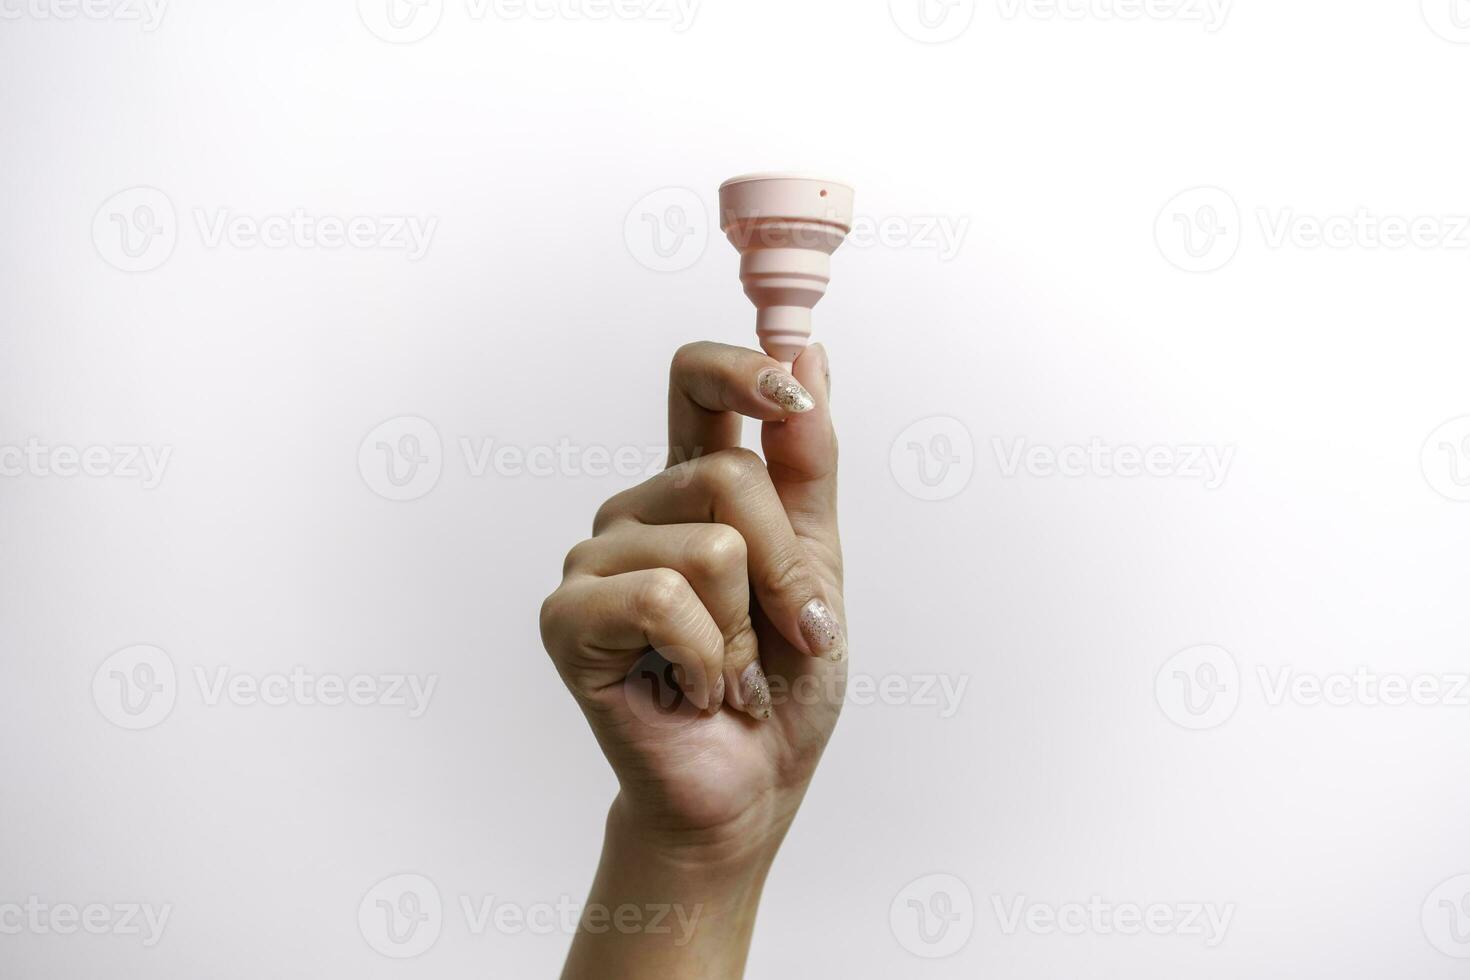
x,y
610,511
732,469
661,595
741,645
553,618
717,548
579,557
685,357
788,575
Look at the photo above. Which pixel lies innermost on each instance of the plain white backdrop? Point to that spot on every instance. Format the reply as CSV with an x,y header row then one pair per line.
x,y
325,328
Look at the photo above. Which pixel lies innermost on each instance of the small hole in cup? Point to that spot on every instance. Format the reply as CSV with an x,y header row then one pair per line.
x,y
824,193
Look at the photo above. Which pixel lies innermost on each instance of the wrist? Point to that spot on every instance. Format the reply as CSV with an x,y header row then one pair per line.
x,y
725,852
703,888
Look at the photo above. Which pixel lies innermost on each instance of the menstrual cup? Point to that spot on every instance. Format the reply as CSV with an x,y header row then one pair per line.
x,y
786,227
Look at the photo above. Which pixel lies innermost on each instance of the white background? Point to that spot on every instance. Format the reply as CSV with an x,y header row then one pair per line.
x,y
1060,145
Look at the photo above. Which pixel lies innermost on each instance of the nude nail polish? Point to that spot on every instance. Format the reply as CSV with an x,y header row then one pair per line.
x,y
786,391
755,692
822,631
717,695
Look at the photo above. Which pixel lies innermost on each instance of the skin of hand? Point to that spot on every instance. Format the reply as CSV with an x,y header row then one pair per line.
x,y
730,568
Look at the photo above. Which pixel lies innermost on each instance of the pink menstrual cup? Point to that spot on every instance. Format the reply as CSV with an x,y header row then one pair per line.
x,y
786,227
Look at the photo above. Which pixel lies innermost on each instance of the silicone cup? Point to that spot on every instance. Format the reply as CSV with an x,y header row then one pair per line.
x,y
786,227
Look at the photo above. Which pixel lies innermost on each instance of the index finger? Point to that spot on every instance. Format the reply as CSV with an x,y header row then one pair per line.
x,y
712,385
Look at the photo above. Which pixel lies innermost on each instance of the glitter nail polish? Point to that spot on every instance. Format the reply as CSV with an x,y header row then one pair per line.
x,y
755,692
822,631
786,391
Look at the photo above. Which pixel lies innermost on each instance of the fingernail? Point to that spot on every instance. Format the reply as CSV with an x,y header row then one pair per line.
x,y
786,391
717,696
755,692
822,631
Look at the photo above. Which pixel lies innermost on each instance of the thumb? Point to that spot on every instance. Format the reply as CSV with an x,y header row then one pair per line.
x,y
801,454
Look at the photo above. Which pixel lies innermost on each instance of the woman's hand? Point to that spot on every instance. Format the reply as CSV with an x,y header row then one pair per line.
x,y
729,570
